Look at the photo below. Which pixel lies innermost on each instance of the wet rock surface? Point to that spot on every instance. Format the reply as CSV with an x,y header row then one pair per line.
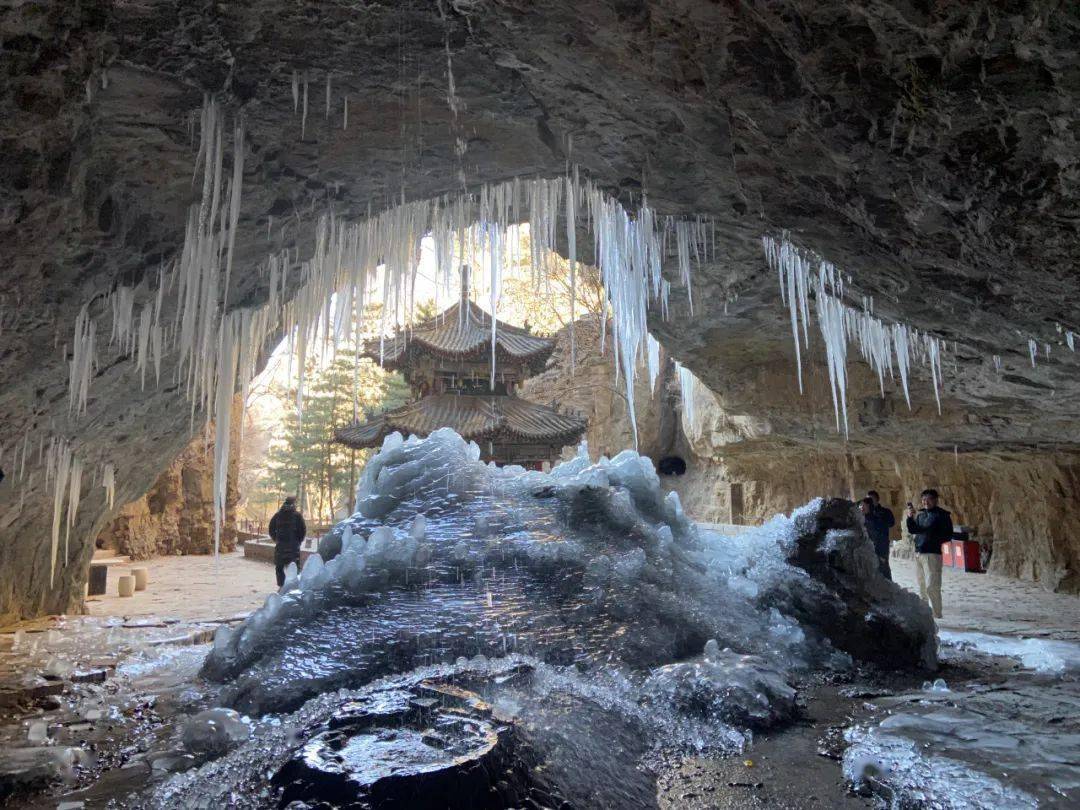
x,y
436,746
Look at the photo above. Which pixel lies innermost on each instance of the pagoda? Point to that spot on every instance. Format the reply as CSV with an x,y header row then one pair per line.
x,y
446,361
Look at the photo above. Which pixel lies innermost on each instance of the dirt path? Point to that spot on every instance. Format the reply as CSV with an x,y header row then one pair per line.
x,y
998,605
192,588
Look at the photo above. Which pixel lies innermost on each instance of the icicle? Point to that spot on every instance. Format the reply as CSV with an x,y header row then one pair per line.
x,y
1033,350
81,368
108,481
74,496
1070,341
571,242
687,390
295,92
303,117
235,190
226,382
935,369
60,467
653,362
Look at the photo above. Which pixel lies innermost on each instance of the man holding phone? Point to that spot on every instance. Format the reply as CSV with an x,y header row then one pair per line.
x,y
930,527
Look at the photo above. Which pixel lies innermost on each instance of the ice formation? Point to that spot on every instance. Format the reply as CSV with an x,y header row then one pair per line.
x,y
1010,745
801,273
688,389
895,766
591,564
217,347
598,620
1041,655
212,732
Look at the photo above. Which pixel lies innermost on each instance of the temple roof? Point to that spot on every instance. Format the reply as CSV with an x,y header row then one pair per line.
x,y
457,334
500,419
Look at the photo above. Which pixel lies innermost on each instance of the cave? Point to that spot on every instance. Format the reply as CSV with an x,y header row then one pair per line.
x,y
810,249
671,465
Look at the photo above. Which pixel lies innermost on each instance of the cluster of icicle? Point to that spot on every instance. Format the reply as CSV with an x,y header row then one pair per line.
x,y
687,388
64,473
319,302
886,347
350,258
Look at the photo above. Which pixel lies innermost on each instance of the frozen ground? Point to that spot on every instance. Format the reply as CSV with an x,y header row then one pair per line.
x,y
1009,737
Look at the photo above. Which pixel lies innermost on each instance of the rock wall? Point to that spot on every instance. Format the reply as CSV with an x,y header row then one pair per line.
x,y
1025,505
177,515
590,390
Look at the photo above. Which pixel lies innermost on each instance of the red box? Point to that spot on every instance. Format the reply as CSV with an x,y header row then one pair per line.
x,y
947,554
966,555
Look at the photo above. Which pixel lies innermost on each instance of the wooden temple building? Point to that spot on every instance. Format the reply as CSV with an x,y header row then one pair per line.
x,y
446,361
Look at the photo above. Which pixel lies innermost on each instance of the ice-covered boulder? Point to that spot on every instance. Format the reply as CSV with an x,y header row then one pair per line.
x,y
740,690
591,564
846,598
214,731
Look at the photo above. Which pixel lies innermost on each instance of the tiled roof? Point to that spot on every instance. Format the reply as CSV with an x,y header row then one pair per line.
x,y
488,418
457,333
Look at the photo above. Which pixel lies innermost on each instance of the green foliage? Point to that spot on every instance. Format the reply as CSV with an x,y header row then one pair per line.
x,y
305,460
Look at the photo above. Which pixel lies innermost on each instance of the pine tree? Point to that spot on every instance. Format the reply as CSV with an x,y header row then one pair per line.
x,y
306,461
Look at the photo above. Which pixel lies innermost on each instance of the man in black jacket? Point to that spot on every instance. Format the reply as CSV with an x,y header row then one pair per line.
x,y
287,530
879,519
930,528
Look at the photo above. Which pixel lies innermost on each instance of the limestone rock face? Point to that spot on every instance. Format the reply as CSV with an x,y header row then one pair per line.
x,y
590,390
177,515
929,149
1026,506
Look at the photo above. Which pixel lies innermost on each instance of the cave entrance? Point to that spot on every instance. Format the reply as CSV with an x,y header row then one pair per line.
x,y
671,465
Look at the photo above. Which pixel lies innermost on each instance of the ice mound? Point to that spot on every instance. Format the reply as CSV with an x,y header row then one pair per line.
x,y
1041,655
212,732
591,566
741,690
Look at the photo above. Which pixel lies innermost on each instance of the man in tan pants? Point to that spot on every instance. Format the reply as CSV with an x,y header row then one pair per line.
x,y
930,527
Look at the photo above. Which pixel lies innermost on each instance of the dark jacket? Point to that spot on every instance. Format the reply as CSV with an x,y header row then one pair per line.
x,y
930,528
287,530
878,523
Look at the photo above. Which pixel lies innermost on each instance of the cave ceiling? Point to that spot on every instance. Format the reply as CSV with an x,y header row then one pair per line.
x,y
928,148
